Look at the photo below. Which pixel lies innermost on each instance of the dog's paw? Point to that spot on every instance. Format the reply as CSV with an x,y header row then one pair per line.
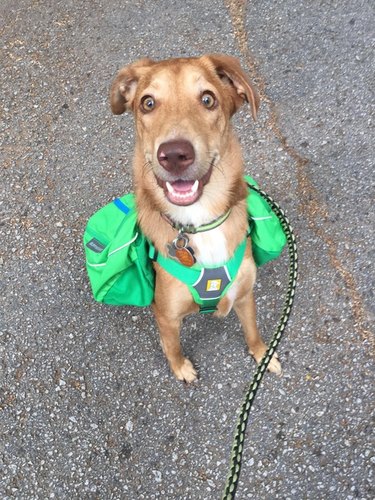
x,y
185,372
274,366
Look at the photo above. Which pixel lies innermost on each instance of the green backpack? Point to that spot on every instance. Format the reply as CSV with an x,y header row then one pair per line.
x,y
267,235
117,261
118,264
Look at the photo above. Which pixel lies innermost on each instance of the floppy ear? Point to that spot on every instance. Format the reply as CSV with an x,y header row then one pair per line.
x,y
125,84
229,70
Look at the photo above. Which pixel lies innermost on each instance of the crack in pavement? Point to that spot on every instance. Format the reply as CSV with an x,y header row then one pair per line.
x,y
312,206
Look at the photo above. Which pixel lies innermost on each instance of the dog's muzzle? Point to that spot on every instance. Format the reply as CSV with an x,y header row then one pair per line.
x,y
182,187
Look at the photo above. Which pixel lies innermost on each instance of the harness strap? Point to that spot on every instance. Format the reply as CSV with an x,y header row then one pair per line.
x,y
207,285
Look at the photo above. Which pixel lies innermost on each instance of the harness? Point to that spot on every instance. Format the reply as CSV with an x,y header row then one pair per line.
x,y
207,285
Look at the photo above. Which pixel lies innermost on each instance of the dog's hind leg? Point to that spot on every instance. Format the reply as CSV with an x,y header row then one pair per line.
x,y
169,330
245,309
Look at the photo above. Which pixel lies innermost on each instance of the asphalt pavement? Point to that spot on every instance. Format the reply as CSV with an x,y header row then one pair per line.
x,y
88,407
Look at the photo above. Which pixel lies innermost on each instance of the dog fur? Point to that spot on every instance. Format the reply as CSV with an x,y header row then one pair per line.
x,y
186,104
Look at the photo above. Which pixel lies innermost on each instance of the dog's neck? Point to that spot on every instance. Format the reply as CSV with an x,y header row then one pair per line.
x,y
211,248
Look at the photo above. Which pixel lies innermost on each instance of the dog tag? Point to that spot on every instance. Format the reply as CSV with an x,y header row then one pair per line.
x,y
185,256
181,251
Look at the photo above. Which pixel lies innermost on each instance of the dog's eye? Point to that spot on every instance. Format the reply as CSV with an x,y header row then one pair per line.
x,y
208,100
147,103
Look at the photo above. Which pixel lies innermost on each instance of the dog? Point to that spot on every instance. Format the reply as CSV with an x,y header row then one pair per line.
x,y
188,173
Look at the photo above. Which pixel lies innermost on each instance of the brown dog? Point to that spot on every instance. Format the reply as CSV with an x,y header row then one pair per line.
x,y
188,171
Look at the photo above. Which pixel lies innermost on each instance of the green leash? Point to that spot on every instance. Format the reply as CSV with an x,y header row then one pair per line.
x,y
239,437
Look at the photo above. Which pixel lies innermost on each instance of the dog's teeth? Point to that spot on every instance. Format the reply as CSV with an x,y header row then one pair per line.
x,y
169,187
194,189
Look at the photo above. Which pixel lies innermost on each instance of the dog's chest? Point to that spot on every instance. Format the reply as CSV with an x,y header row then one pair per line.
x,y
211,247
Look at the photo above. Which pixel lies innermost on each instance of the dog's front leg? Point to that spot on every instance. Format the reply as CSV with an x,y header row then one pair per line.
x,y
245,309
169,329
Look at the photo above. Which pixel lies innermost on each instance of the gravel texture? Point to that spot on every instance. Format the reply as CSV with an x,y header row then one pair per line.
x,y
88,408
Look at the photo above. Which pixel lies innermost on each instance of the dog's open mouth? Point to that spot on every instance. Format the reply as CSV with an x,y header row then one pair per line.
x,y
184,192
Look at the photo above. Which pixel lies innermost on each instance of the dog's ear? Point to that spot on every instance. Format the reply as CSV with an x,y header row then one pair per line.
x,y
229,70
125,84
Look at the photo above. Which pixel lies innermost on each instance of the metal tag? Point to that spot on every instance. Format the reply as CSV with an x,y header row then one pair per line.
x,y
186,256
181,251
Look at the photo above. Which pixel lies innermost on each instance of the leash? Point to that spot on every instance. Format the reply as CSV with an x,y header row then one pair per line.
x,y
239,436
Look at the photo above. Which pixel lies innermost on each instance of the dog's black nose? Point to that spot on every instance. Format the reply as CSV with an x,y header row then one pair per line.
x,y
176,156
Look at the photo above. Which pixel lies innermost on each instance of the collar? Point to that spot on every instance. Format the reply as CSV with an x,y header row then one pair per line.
x,y
190,229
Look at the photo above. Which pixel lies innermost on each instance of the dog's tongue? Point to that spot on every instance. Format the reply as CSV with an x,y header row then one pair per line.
x,y
182,192
182,186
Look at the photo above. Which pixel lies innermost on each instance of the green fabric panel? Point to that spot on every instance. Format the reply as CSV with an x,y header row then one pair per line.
x,y
267,236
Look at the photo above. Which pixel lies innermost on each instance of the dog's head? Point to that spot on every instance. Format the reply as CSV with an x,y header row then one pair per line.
x,y
182,110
